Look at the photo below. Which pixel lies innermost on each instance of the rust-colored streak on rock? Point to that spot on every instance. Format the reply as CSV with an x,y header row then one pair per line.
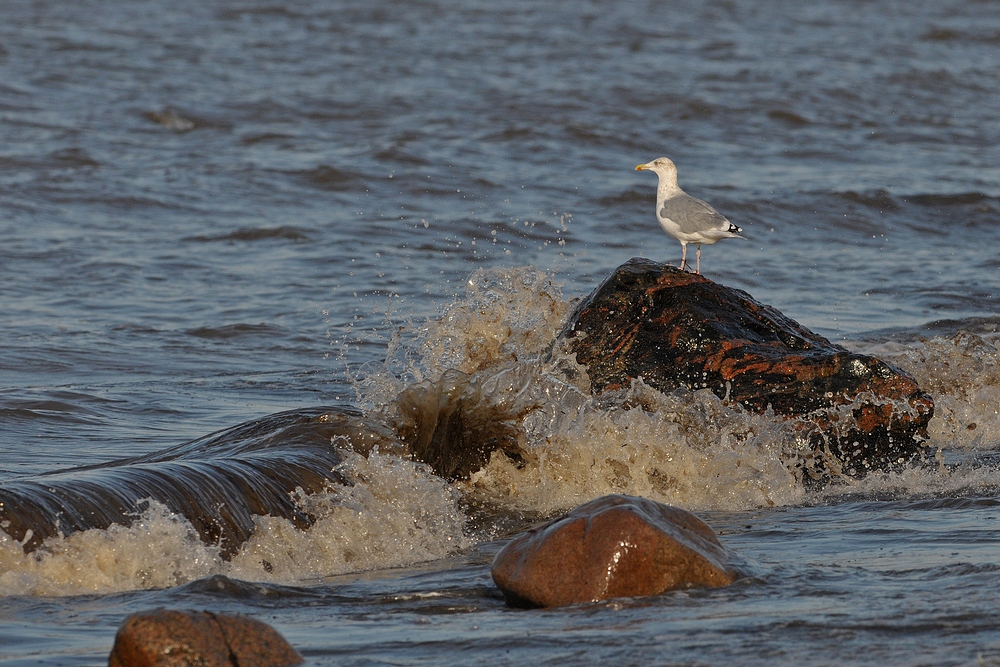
x,y
165,638
625,340
673,328
615,546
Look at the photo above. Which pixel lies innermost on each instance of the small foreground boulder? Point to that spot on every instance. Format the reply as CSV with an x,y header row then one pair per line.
x,y
614,546
166,638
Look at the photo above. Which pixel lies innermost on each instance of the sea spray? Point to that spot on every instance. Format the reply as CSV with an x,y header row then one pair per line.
x,y
505,315
685,448
962,372
562,446
394,513
489,380
157,550
496,381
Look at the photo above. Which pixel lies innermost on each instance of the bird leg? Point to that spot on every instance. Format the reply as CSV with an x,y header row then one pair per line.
x,y
698,255
684,254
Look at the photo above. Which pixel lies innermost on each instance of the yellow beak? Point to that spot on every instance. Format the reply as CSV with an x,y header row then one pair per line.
x,y
641,167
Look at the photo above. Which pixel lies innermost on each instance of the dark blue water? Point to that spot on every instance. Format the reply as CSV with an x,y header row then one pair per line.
x,y
214,212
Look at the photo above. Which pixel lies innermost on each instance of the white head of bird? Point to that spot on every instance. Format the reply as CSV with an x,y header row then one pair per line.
x,y
686,218
665,168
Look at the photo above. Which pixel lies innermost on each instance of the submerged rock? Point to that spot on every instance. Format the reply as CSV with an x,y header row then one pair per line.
x,y
219,483
164,638
676,329
615,546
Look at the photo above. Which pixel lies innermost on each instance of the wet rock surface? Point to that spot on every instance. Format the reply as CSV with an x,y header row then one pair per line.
x,y
676,329
165,638
614,546
219,483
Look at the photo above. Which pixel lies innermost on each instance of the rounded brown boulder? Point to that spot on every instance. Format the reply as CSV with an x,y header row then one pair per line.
x,y
165,638
615,546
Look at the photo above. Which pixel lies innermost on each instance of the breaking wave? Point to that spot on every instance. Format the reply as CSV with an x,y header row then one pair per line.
x,y
489,423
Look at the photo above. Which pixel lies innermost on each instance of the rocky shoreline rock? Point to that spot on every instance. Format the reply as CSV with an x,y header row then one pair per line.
x,y
614,546
677,329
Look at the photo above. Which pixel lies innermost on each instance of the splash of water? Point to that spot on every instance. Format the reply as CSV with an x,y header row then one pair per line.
x,y
688,448
489,381
962,372
395,513
158,550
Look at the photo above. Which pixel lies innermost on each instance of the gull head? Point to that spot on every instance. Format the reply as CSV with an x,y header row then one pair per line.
x,y
662,167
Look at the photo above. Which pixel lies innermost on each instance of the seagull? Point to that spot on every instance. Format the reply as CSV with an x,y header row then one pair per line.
x,y
687,219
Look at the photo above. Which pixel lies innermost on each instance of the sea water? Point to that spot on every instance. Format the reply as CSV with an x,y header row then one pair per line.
x,y
212,212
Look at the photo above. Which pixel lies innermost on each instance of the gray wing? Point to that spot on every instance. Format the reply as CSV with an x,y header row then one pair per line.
x,y
692,215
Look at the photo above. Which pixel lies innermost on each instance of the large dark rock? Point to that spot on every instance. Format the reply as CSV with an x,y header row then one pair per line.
x,y
615,546
677,329
166,638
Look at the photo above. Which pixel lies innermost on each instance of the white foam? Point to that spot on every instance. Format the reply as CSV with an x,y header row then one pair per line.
x,y
158,550
396,513
962,374
685,448
964,478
